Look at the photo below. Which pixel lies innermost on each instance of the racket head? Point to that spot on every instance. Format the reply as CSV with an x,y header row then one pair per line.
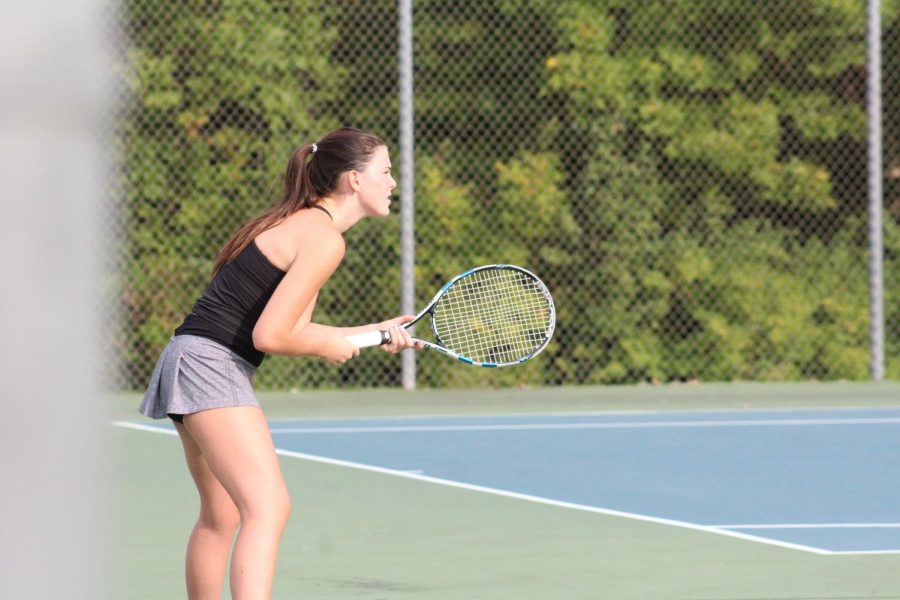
x,y
494,316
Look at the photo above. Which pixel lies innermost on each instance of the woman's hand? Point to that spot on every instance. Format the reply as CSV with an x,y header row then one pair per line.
x,y
337,349
400,338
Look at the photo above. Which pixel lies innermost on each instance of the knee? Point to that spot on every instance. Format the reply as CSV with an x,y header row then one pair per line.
x,y
273,509
280,509
221,519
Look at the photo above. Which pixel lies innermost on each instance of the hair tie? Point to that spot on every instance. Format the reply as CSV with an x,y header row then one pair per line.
x,y
315,147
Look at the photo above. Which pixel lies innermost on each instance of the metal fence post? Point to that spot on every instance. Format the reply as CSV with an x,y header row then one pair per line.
x,y
876,250
407,191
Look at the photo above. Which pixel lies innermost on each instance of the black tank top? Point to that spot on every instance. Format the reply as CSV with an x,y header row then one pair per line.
x,y
233,301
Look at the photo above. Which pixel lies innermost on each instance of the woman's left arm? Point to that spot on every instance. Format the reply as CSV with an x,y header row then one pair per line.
x,y
403,340
305,321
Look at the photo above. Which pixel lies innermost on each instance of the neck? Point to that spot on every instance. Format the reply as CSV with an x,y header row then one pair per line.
x,y
342,211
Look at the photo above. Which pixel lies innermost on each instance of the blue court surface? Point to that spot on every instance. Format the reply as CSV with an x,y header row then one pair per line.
x,y
815,480
823,481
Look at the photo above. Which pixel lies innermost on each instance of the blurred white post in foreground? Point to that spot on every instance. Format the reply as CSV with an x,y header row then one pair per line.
x,y
54,102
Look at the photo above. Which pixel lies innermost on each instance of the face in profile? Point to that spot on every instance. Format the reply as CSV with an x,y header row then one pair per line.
x,y
376,184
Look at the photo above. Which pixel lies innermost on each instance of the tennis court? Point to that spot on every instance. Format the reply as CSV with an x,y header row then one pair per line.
x,y
692,491
709,189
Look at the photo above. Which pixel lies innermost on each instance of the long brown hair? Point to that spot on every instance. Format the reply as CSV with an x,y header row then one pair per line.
x,y
306,181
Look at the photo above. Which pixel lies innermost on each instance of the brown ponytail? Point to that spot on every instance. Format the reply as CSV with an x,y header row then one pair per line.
x,y
309,176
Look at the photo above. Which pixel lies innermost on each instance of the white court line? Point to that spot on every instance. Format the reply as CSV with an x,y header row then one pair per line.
x,y
501,415
864,552
140,427
823,526
625,412
507,494
813,526
718,530
630,425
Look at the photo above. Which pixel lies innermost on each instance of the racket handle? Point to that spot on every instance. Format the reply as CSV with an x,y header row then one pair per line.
x,y
370,338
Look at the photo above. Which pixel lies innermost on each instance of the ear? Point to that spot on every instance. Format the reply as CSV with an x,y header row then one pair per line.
x,y
353,180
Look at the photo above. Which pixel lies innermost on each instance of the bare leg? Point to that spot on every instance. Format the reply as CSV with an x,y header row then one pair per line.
x,y
237,447
210,543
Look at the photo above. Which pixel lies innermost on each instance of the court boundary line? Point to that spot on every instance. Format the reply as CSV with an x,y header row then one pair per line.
x,y
525,497
713,529
812,526
588,413
824,422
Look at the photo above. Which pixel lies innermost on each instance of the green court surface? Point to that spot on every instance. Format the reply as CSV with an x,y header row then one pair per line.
x,y
370,535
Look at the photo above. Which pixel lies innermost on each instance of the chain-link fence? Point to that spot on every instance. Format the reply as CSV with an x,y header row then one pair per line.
x,y
688,176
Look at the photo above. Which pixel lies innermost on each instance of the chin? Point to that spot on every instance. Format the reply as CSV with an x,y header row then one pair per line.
x,y
379,212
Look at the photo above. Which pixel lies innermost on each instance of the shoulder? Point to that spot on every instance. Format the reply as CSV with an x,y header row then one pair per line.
x,y
311,239
301,235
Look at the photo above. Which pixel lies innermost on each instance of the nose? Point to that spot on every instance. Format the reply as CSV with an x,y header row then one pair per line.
x,y
393,183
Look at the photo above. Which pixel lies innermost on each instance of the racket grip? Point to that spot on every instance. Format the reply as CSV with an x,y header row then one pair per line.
x,y
370,338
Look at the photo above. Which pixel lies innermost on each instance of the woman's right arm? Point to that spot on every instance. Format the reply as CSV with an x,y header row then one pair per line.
x,y
282,326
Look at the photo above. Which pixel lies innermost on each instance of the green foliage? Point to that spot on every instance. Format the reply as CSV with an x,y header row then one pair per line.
x,y
685,174
742,286
220,95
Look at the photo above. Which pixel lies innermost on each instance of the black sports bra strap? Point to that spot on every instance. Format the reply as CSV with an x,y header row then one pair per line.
x,y
322,208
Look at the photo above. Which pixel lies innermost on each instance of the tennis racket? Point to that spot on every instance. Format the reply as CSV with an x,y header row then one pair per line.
x,y
490,316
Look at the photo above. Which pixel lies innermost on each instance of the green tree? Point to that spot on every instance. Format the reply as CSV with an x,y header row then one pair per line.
x,y
220,95
741,124
687,175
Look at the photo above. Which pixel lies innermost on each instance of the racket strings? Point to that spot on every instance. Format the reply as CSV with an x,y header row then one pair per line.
x,y
500,326
494,316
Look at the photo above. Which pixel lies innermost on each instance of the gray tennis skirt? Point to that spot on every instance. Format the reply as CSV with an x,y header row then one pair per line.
x,y
194,374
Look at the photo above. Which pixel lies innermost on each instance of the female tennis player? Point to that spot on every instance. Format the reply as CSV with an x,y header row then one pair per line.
x,y
261,300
